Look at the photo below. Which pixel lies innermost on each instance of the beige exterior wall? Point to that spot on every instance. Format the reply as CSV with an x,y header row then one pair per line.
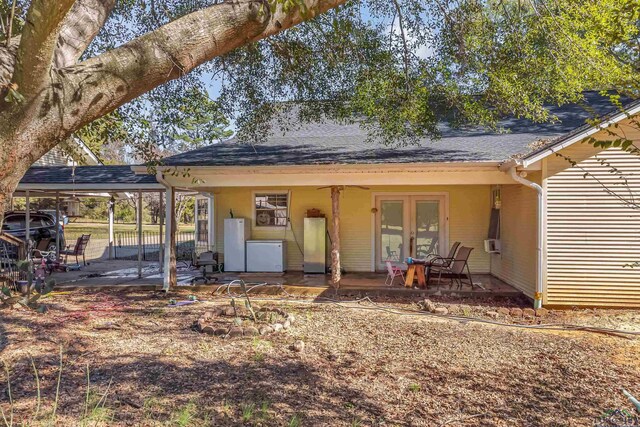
x,y
469,211
591,231
516,262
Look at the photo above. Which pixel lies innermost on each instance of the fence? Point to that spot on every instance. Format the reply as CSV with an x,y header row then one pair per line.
x,y
126,245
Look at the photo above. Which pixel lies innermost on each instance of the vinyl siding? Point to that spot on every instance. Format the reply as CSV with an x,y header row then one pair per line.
x,y
591,233
55,157
469,210
516,262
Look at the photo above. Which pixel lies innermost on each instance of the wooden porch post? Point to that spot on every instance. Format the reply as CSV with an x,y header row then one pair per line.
x,y
170,274
27,220
335,237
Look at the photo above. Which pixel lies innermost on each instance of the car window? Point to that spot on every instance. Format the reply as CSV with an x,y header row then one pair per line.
x,y
13,223
40,221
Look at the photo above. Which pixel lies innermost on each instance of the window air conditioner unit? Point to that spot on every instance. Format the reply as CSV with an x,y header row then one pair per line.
x,y
492,246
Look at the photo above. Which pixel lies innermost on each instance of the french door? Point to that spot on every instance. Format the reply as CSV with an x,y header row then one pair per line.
x,y
409,226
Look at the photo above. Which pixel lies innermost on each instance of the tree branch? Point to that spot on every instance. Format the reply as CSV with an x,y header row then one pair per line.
x,y
8,61
103,83
79,28
37,45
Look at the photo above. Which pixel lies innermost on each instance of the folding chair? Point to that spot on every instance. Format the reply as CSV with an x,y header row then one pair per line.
x,y
392,273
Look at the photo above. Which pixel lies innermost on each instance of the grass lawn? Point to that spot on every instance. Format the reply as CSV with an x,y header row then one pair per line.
x,y
147,366
100,230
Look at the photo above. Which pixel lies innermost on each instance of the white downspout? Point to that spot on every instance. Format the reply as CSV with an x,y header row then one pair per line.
x,y
537,302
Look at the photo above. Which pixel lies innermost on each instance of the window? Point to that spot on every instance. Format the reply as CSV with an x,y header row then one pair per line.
x,y
202,220
12,223
271,209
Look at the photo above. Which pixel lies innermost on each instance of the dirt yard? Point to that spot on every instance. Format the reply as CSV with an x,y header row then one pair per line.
x,y
148,366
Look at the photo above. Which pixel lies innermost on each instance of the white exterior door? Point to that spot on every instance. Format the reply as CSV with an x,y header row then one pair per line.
x,y
204,219
409,226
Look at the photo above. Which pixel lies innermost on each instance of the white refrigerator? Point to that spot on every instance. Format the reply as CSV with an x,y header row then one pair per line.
x,y
236,232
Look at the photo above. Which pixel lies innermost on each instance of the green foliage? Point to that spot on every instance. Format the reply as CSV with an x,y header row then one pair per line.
x,y
247,411
295,421
185,416
397,68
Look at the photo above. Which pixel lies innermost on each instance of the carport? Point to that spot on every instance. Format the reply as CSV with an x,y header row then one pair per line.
x,y
113,182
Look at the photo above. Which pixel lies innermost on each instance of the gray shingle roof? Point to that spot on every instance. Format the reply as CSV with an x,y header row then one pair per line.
x,y
120,174
334,143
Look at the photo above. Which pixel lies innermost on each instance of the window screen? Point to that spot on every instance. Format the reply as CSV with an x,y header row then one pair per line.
x,y
271,209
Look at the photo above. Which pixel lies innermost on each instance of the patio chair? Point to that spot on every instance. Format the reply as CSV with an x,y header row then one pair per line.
x,y
392,255
456,267
208,264
78,249
436,260
392,273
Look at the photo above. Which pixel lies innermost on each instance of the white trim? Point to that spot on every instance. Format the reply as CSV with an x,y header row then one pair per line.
x,y
87,151
555,147
254,226
408,194
358,167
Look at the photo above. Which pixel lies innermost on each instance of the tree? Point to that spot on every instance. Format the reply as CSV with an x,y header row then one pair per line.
x,y
398,67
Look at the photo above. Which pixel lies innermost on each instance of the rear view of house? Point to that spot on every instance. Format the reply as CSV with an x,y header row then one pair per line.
x,y
560,222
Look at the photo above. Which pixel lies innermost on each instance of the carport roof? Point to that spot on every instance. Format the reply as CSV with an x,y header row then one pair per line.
x,y
87,178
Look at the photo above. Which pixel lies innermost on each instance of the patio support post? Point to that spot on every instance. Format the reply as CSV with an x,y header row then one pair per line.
x,y
57,225
27,219
112,208
161,222
170,240
139,223
335,237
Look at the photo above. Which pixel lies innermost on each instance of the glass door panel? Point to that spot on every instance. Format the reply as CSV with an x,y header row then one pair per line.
x,y
392,230
202,221
426,227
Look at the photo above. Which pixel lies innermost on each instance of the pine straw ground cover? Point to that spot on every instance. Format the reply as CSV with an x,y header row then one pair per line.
x,y
359,368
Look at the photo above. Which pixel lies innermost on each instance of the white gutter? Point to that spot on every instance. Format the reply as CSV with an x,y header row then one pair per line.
x,y
537,301
554,147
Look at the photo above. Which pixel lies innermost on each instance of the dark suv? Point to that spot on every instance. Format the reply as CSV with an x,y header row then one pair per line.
x,y
42,226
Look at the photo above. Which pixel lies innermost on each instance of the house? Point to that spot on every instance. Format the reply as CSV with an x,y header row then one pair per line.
x,y
565,226
545,212
77,152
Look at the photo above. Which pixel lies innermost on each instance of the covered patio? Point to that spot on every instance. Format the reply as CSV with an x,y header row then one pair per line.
x,y
112,181
104,274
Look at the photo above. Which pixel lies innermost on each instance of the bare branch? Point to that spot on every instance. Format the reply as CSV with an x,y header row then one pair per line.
x,y
80,27
37,45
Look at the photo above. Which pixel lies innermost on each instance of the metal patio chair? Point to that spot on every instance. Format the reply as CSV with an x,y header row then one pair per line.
x,y
456,267
78,249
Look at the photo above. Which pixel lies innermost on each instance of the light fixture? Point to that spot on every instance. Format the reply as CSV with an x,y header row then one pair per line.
x,y
72,204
